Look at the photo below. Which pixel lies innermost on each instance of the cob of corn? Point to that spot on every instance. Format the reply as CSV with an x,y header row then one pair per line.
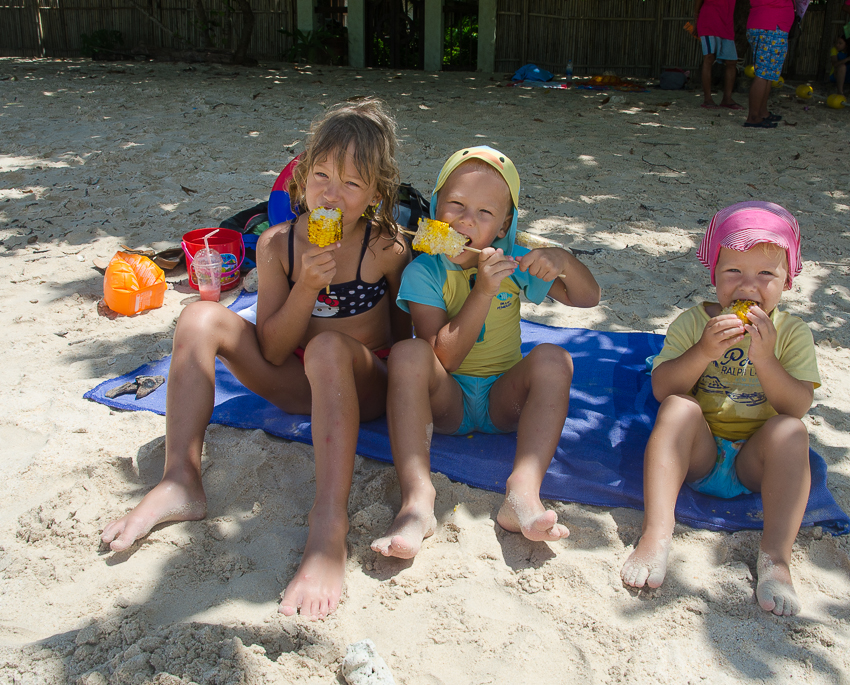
x,y
740,308
437,237
324,227
532,242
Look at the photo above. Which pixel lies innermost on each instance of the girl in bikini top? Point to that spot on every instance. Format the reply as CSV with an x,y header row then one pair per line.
x,y
344,299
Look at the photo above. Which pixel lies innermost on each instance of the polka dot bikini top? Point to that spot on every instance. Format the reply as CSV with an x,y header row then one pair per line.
x,y
345,299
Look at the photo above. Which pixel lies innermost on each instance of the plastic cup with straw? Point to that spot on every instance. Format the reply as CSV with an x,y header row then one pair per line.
x,y
207,266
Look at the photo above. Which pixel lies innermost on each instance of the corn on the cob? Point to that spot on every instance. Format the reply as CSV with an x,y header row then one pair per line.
x,y
533,242
324,226
437,237
740,308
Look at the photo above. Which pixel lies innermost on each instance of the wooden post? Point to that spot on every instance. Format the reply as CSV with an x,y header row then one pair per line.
x,y
306,15
656,60
356,20
486,35
523,49
433,35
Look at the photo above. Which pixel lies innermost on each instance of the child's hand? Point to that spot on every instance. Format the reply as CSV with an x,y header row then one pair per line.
x,y
763,335
720,334
318,266
493,267
547,263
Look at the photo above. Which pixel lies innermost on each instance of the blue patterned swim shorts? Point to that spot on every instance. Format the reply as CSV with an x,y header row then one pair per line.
x,y
769,50
723,479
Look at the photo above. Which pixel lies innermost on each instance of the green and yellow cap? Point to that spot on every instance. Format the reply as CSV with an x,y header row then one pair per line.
x,y
501,163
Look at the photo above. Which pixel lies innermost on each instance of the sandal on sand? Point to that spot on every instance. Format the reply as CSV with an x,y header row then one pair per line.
x,y
764,123
734,105
772,117
705,106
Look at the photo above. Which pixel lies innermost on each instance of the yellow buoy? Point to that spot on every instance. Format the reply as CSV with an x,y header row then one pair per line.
x,y
804,92
836,101
778,83
750,71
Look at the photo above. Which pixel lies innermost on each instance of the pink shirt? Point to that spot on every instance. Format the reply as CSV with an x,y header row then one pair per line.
x,y
715,19
770,14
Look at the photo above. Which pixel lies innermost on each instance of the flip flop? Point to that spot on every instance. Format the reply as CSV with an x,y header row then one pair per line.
x,y
704,106
772,117
734,105
764,123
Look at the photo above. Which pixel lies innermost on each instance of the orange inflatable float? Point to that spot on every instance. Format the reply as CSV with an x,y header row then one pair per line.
x,y
132,284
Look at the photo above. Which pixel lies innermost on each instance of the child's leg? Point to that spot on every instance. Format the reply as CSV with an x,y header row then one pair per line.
x,y
707,63
205,330
840,75
348,383
534,397
775,461
422,397
680,448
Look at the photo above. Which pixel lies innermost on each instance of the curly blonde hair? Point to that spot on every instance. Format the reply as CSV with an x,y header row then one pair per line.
x,y
366,123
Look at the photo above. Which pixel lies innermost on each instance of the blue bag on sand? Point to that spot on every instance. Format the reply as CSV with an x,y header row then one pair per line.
x,y
531,72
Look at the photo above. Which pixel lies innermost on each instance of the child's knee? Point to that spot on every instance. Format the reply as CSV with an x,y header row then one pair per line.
x,y
328,349
681,406
787,434
200,320
409,354
552,361
678,416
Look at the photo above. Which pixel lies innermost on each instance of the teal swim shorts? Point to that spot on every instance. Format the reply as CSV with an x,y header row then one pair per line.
x,y
723,479
476,404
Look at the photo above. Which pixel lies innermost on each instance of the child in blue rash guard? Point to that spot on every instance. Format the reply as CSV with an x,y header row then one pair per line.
x,y
464,370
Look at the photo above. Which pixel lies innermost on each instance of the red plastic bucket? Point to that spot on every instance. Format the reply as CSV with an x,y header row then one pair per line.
x,y
227,242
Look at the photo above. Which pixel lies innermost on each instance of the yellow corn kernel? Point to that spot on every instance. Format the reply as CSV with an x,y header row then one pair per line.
x,y
740,308
324,226
437,237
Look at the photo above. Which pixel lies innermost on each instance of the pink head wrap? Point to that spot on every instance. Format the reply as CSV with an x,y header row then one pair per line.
x,y
746,224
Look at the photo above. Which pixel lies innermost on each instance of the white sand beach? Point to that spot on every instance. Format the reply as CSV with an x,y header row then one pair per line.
x,y
98,155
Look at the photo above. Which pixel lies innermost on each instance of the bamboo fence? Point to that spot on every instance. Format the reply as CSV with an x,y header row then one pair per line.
x,y
637,38
54,28
627,37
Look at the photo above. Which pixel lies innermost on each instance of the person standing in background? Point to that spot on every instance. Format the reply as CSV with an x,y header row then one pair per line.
x,y
716,31
767,32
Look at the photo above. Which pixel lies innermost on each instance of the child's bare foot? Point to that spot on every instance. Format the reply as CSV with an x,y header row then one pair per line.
x,y
775,591
404,537
168,501
317,586
647,565
527,515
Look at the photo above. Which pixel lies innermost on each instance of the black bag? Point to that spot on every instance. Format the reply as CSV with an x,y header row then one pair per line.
x,y
411,207
673,79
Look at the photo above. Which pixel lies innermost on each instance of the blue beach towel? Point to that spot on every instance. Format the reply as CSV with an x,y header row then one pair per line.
x,y
599,459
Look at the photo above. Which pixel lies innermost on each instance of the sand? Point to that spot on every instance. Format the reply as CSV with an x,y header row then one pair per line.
x,y
98,155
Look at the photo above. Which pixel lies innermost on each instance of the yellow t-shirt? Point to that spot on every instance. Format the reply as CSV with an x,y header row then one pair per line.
x,y
729,392
437,282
